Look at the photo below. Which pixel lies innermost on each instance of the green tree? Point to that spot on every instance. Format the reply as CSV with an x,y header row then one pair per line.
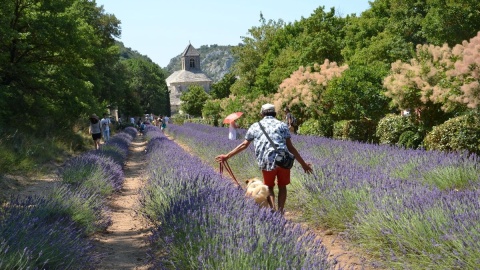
x,y
221,89
147,81
251,53
451,21
53,55
358,93
193,100
212,110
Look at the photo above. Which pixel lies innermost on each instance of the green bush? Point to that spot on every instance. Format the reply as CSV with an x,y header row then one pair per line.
x,y
355,130
178,119
410,139
318,127
392,126
456,134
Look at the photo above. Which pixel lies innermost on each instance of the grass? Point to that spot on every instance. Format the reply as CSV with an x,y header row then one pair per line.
x,y
452,177
28,154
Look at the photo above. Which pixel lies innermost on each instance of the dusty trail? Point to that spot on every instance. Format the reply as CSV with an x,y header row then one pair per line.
x,y
124,244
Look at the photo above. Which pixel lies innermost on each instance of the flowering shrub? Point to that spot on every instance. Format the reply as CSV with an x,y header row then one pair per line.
x,y
99,174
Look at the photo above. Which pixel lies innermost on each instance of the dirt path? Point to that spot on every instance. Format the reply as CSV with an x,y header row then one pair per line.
x,y
124,244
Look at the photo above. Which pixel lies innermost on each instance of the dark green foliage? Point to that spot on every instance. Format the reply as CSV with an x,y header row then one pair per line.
x,y
211,110
193,100
147,88
451,21
459,133
410,139
319,127
355,130
276,49
54,57
357,93
221,89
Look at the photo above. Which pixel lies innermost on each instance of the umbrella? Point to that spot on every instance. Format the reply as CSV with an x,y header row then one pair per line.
x,y
232,117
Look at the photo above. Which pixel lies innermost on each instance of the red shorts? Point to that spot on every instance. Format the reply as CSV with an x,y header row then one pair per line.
x,y
282,175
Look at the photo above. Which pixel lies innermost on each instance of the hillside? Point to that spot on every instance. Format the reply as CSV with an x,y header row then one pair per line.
x,y
216,61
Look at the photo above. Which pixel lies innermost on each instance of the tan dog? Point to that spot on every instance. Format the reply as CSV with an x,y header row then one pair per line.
x,y
257,190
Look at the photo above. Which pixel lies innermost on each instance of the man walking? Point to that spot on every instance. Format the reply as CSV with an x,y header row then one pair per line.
x,y
266,154
105,124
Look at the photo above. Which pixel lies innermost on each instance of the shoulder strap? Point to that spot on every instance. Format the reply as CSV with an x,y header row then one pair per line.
x,y
268,137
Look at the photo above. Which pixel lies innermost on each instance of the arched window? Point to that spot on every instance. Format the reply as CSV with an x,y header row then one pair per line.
x,y
192,63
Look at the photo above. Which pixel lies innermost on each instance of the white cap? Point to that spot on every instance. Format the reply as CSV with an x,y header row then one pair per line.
x,y
267,108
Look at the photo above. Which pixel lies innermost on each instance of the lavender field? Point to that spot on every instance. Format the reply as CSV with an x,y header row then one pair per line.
x,y
52,231
203,220
411,209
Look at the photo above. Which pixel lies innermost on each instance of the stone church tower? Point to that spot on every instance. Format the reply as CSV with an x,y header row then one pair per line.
x,y
191,74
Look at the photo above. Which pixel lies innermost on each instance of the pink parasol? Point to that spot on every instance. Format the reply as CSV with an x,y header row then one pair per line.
x,y
232,117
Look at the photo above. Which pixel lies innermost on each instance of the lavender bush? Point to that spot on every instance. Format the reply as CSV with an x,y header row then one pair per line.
x,y
32,238
93,172
51,232
88,210
416,209
205,222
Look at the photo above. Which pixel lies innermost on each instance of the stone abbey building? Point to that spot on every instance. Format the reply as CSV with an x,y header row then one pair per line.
x,y
190,74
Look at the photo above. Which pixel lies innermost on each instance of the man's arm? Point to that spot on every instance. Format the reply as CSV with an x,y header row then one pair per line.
x,y
244,145
306,167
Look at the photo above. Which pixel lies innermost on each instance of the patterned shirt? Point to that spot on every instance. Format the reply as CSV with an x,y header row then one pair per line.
x,y
265,153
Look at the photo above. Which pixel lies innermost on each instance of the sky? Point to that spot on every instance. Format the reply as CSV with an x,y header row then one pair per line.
x,y
162,29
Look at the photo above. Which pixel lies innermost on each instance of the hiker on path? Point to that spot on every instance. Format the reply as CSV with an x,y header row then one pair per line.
x,y
105,124
280,135
96,130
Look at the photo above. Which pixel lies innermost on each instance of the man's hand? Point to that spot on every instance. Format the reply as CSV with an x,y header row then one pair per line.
x,y
307,167
221,158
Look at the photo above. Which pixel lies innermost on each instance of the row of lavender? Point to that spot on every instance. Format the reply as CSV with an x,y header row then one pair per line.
x,y
203,221
51,231
415,209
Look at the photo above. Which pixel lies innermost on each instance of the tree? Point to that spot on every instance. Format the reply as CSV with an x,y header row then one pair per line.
x,y
193,100
221,89
358,93
212,110
438,83
53,55
252,52
451,21
303,91
147,81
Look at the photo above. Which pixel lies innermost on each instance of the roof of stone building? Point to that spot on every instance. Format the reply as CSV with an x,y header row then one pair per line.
x,y
190,51
181,76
